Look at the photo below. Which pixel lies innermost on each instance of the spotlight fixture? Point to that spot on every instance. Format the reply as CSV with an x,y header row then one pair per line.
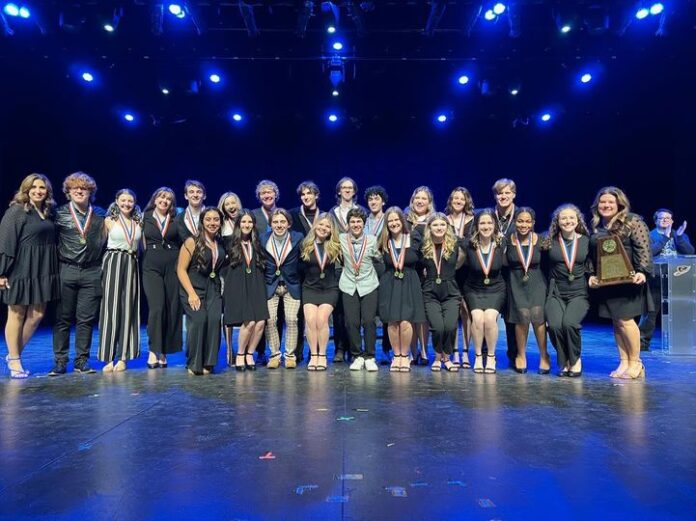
x,y
499,8
237,117
337,46
333,118
331,29
129,117
545,117
165,91
586,78
334,93
441,118
11,10
109,28
490,15
656,9
177,10
215,78
463,79
514,91
88,77
642,13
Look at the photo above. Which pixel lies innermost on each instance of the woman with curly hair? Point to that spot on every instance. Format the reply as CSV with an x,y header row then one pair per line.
x,y
484,288
119,317
320,251
612,218
442,256
526,289
400,292
28,265
161,243
244,295
201,259
566,247
460,214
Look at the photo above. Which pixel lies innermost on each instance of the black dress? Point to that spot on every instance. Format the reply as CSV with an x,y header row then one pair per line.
x,y
525,298
625,301
402,298
161,285
316,290
28,257
244,295
477,294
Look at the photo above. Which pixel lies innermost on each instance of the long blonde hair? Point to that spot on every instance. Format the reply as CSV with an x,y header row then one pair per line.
x,y
618,222
332,245
22,195
449,245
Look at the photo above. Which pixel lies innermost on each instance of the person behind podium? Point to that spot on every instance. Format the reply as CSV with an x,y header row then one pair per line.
x,y
664,242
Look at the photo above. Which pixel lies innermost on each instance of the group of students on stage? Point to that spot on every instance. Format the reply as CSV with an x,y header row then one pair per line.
x,y
418,270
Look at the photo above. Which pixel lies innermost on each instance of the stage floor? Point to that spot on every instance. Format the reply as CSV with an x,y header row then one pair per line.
x,y
289,444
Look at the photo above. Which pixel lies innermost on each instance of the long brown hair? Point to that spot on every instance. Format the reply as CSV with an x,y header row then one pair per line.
x,y
198,257
235,252
411,215
162,190
468,201
386,234
22,195
497,236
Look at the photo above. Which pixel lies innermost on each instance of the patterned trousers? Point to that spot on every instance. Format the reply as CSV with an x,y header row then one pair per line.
x,y
291,307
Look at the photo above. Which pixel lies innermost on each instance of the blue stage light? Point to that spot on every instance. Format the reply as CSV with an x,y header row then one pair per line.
x,y
499,8
165,91
177,10
11,10
333,118
334,93
237,117
441,118
129,117
337,46
24,12
215,78
545,117
489,15
330,29
514,92
657,8
109,28
586,78
642,13
566,29
88,77
463,79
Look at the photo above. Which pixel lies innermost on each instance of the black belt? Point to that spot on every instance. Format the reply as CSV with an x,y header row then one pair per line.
x,y
81,265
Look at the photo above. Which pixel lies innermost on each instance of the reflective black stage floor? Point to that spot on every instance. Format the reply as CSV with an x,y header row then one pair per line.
x,y
164,445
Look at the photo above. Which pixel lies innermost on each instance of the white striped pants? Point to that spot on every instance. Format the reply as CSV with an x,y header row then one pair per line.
x,y
119,317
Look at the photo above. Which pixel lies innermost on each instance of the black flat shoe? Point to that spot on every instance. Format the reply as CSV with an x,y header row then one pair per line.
x,y
575,374
156,365
544,371
563,373
163,365
521,371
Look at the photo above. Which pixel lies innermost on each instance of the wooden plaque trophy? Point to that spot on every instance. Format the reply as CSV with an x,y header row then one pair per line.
x,y
613,264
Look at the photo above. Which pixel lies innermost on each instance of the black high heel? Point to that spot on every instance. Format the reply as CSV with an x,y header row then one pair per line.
x,y
479,370
250,366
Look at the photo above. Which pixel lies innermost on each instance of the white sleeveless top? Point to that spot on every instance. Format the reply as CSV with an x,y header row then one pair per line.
x,y
117,238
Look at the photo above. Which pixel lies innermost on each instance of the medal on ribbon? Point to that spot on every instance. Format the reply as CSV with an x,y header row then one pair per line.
x,y
212,245
279,257
437,258
486,263
569,258
81,230
162,224
191,221
525,261
341,221
399,261
357,260
248,255
375,229
128,230
321,256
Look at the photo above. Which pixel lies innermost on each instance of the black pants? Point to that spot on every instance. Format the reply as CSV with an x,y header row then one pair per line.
x,y
80,296
649,320
564,316
161,286
340,332
511,341
361,311
299,350
443,318
203,331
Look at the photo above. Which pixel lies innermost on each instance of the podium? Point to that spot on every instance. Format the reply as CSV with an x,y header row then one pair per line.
x,y
678,302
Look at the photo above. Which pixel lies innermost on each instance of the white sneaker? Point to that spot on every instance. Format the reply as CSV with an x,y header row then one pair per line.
x,y
357,364
371,365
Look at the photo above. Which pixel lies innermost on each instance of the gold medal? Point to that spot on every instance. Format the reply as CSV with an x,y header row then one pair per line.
x,y
212,274
486,281
248,270
438,280
525,277
322,275
83,240
571,277
277,272
401,274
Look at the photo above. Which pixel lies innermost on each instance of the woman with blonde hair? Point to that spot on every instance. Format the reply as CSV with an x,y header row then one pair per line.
x,y
441,256
231,206
484,288
28,265
612,219
320,251
400,293
566,248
